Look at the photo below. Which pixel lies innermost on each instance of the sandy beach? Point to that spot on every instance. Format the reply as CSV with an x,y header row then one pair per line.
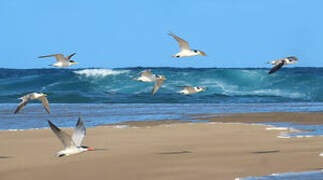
x,y
171,151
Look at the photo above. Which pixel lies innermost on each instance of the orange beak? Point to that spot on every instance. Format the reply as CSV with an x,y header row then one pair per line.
x,y
90,149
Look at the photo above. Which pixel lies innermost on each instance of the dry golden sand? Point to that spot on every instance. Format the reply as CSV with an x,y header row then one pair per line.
x,y
164,152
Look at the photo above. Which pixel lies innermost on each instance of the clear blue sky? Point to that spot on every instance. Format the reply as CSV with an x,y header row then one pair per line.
x,y
126,33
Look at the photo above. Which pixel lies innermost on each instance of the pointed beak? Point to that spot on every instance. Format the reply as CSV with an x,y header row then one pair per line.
x,y
90,149
202,53
75,62
45,95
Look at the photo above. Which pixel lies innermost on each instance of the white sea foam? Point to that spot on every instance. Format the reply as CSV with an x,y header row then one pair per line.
x,y
44,88
15,130
120,126
99,72
286,135
277,128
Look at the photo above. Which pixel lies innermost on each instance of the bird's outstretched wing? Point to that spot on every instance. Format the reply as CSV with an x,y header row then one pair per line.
x,y
157,85
183,45
20,106
79,132
70,56
146,72
185,87
275,68
59,57
45,103
190,89
62,136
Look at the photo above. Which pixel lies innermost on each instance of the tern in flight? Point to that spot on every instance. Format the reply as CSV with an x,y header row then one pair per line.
x,y
185,50
61,60
281,62
33,96
187,90
147,76
72,144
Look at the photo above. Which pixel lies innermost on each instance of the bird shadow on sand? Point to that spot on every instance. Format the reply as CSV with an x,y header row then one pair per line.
x,y
266,152
100,149
175,152
5,157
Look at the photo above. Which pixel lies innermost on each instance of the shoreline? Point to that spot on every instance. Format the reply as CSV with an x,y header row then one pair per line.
x,y
159,150
300,118
304,118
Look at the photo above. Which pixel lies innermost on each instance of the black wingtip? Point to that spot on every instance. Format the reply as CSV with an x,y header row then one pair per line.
x,y
79,121
53,126
49,123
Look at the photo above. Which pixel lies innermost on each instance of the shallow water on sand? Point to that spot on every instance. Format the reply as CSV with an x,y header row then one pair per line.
x,y
65,115
312,175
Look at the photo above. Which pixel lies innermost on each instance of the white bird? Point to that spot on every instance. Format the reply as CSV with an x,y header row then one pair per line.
x,y
185,50
72,144
159,81
187,90
33,96
147,76
61,60
281,62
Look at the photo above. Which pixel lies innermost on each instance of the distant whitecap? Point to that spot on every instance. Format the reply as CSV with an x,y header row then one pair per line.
x,y
99,72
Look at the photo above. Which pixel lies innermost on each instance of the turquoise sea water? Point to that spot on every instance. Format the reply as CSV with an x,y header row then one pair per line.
x,y
117,85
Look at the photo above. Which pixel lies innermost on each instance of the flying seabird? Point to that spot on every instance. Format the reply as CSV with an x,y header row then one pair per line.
x,y
187,90
61,60
159,81
185,50
72,144
281,62
32,96
147,76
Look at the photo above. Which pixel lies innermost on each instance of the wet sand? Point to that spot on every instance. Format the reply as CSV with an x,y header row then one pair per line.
x,y
165,151
295,117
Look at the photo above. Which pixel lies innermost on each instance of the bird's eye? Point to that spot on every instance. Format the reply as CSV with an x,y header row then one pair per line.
x,y
195,51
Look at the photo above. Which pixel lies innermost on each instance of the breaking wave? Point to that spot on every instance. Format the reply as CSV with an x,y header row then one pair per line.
x,y
225,85
99,72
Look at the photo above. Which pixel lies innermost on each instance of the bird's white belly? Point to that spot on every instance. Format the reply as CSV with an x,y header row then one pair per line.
x,y
70,151
60,64
187,53
184,91
145,79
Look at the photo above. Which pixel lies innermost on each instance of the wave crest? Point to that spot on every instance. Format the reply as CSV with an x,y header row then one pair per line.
x,y
99,72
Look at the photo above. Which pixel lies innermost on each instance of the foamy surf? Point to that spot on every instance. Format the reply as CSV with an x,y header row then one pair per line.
x,y
277,128
99,72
